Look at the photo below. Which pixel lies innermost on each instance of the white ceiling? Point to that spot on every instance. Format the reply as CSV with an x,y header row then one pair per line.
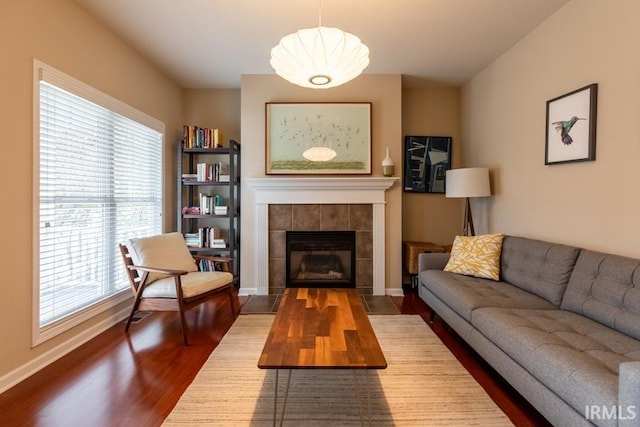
x,y
211,43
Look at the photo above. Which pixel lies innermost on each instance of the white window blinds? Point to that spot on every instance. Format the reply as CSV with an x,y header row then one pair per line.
x,y
100,183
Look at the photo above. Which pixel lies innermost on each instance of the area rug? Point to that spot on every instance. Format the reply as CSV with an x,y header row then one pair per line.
x,y
423,385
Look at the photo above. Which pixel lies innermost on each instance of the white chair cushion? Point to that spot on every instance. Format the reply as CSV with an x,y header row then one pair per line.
x,y
168,251
193,284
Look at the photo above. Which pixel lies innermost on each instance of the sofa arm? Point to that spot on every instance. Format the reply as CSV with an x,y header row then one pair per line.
x,y
629,394
432,261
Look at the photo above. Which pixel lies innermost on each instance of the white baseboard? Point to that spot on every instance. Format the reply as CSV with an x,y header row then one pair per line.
x,y
394,292
247,291
25,371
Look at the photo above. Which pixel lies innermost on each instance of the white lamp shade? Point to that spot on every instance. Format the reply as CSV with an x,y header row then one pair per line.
x,y
468,182
319,58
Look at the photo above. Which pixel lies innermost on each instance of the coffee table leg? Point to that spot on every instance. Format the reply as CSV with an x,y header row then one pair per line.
x,y
357,386
368,385
286,397
275,399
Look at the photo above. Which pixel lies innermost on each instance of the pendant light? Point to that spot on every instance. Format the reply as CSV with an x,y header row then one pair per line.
x,y
319,58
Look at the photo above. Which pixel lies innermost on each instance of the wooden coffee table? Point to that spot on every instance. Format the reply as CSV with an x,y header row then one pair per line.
x,y
320,329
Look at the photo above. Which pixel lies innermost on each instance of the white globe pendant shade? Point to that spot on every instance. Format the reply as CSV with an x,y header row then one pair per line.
x,y
319,58
319,154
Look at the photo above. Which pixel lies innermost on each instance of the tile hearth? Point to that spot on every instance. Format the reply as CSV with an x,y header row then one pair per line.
x,y
374,304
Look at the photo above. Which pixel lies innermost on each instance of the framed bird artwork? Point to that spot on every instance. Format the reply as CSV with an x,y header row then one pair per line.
x,y
305,138
571,126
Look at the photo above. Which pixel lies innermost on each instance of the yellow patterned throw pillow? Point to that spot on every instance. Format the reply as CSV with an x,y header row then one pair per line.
x,y
477,256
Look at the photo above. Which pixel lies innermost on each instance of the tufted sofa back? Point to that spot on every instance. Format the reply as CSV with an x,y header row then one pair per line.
x,y
606,288
539,267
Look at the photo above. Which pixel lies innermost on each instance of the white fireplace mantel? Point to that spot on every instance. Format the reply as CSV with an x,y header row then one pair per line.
x,y
319,190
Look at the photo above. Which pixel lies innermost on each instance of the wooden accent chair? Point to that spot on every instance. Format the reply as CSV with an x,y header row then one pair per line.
x,y
164,276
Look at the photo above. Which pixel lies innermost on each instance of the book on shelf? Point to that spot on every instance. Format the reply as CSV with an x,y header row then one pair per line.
x,y
199,137
206,237
191,210
220,210
206,204
211,172
192,240
218,243
206,207
209,237
209,265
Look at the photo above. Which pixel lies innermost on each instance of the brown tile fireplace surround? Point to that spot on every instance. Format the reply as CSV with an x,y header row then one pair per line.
x,y
318,204
329,217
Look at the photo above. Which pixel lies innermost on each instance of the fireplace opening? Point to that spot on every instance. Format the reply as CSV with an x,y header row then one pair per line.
x,y
320,259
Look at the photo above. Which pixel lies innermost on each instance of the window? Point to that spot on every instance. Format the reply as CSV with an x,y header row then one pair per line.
x,y
98,167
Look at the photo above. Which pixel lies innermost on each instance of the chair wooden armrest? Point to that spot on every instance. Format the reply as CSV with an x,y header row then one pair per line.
x,y
157,270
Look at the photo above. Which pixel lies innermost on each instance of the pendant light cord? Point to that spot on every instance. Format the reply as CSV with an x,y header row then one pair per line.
x,y
319,13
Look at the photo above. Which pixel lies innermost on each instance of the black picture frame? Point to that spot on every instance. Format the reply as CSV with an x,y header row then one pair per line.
x,y
571,126
426,161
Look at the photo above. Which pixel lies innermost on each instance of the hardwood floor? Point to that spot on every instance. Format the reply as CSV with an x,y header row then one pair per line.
x,y
135,380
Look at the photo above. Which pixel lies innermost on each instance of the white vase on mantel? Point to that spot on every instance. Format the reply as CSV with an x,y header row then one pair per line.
x,y
388,168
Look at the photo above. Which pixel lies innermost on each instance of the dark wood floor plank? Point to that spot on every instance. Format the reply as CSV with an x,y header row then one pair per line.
x,y
118,381
115,380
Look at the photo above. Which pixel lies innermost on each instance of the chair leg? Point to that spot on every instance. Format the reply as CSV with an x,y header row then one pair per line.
x,y
183,323
134,309
231,301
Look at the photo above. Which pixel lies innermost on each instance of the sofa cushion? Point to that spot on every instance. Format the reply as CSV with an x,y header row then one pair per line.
x,y
539,267
465,293
606,288
574,356
477,256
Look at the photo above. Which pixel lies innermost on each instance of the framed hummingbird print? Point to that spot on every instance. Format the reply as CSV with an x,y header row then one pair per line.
x,y
571,126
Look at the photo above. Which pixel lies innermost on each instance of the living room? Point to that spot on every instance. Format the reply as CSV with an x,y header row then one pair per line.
x,y
496,120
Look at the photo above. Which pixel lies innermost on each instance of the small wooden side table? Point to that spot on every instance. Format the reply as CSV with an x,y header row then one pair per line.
x,y
411,252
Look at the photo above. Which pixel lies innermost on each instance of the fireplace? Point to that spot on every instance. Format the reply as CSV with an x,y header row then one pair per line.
x,y
267,262
320,259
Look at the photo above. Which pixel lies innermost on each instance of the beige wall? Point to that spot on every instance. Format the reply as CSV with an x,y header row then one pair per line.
x,y
59,34
214,108
590,204
432,111
384,91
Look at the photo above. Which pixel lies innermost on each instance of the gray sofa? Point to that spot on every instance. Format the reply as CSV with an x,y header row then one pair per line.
x,y
562,326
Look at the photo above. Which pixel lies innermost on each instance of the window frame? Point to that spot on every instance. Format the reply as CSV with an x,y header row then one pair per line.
x,y
42,71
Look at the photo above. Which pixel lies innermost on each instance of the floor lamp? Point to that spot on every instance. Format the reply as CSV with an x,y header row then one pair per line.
x,y
467,183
